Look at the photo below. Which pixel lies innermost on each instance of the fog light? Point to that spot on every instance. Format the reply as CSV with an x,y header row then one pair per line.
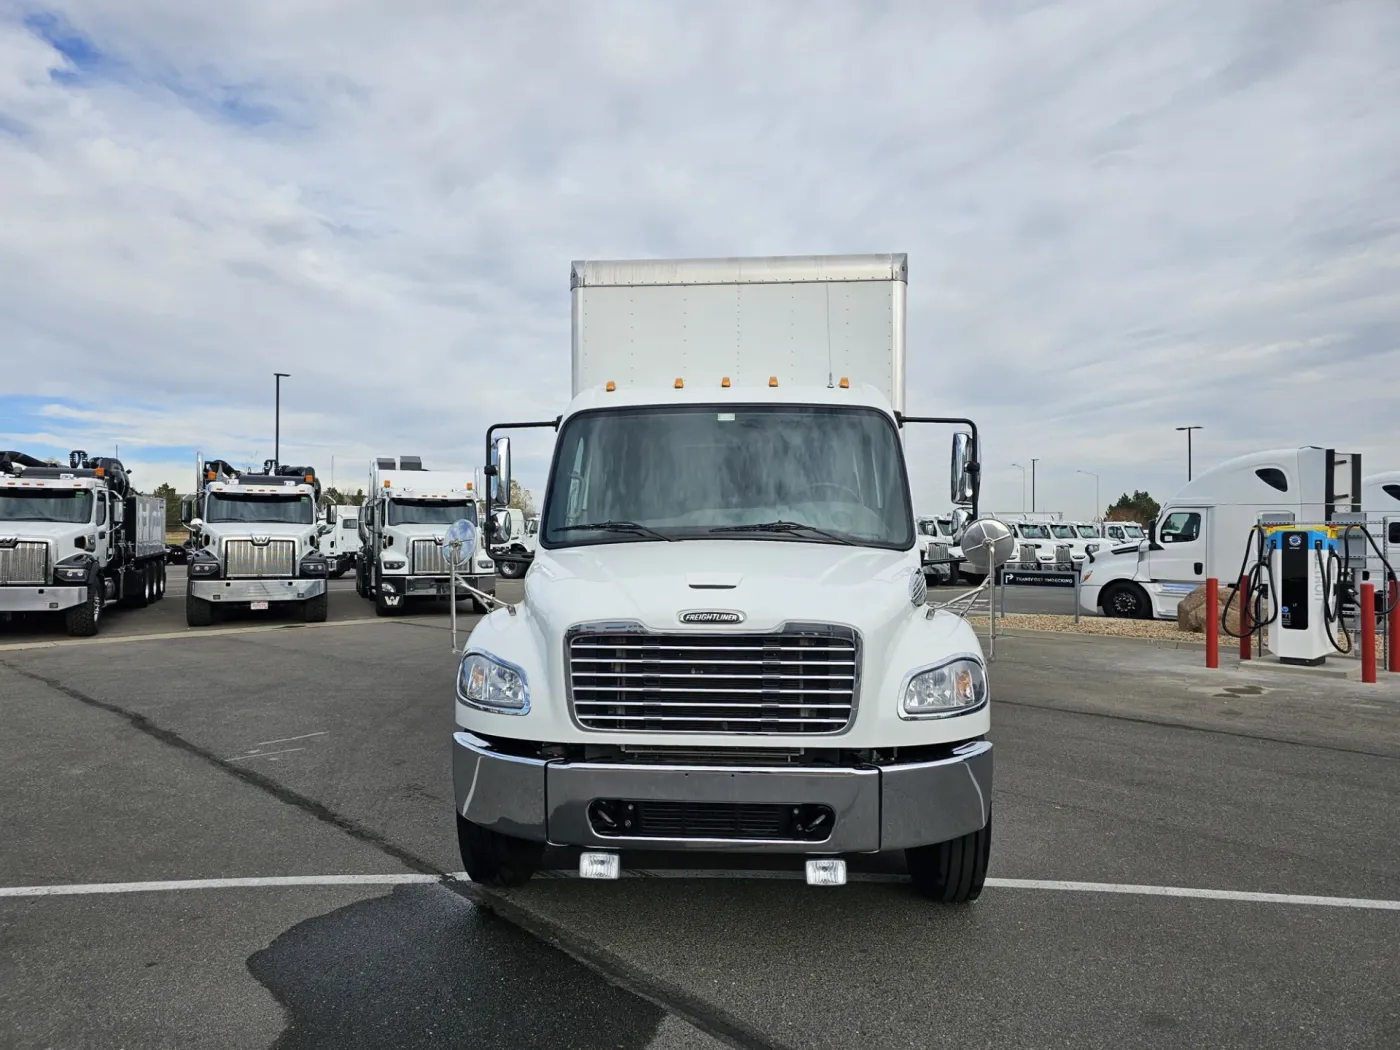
x,y
827,871
609,866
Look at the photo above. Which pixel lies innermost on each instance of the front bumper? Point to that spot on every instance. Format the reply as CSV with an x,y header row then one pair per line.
x,y
876,807
229,591
438,586
40,599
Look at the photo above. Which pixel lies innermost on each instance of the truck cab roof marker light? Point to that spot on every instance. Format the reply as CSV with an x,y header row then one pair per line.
x,y
680,383
724,382
772,380
610,387
845,383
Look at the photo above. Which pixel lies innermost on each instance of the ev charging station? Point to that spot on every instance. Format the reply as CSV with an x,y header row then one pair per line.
x,y
1307,570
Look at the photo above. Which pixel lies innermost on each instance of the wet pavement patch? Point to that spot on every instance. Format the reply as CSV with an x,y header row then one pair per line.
x,y
422,967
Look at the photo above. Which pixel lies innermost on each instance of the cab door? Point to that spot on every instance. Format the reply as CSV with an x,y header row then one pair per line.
x,y
1178,553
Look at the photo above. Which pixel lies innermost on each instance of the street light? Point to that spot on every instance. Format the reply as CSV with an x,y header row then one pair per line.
x,y
1097,511
277,432
1033,463
1188,448
1023,485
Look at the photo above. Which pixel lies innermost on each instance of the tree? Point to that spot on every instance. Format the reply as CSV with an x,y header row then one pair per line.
x,y
522,498
1139,507
344,499
167,492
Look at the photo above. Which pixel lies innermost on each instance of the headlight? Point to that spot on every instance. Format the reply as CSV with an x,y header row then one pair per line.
x,y
392,563
483,563
953,688
71,571
1091,547
313,565
201,563
492,685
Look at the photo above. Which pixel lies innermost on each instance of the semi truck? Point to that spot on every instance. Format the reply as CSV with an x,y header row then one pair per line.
x,y
341,545
403,523
76,538
724,642
255,540
1204,530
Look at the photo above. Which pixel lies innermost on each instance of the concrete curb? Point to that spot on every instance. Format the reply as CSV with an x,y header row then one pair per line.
x,y
1155,643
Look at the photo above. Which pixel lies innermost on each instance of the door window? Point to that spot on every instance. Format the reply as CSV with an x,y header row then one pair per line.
x,y
1181,526
102,508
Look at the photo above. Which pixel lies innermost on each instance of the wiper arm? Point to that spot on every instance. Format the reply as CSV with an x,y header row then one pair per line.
x,y
616,526
785,526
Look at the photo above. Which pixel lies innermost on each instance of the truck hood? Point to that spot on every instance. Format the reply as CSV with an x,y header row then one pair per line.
x,y
770,582
216,533
59,535
404,535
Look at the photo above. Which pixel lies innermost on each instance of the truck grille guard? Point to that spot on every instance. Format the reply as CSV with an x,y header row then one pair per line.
x,y
24,562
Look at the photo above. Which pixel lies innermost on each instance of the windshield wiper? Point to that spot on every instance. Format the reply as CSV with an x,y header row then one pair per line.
x,y
785,526
616,526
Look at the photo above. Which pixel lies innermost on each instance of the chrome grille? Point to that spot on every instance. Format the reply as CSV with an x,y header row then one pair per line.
x,y
798,681
26,563
428,559
246,558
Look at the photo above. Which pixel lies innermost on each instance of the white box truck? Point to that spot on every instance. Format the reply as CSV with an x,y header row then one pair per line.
x,y
75,538
1204,530
724,642
403,524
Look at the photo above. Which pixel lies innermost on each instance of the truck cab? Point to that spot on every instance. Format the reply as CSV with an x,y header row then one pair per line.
x,y
403,525
74,539
255,541
341,543
724,642
1206,529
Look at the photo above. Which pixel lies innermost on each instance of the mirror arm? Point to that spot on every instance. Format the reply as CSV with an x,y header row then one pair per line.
x,y
974,461
489,469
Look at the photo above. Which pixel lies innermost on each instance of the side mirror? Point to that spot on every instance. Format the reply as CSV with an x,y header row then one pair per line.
x,y
323,528
503,528
186,510
500,480
962,475
961,518
330,513
196,523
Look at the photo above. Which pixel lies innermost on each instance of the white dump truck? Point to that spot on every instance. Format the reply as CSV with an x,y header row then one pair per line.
x,y
724,642
75,538
255,541
403,522
1204,530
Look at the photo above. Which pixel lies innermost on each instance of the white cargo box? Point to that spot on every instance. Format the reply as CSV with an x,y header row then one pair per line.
x,y
808,320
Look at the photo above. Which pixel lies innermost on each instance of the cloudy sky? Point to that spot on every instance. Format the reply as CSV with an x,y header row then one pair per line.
x,y
1121,216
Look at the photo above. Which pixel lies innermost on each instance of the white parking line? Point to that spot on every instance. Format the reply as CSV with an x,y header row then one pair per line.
x,y
289,739
265,754
1055,885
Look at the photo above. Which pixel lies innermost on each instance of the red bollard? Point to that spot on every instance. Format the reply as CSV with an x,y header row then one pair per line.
x,y
1393,631
1243,595
1213,622
1368,632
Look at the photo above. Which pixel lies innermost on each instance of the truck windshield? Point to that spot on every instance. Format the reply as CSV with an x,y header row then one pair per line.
x,y
928,527
1063,532
73,505
259,509
1088,532
1133,532
945,526
1034,532
430,511
785,473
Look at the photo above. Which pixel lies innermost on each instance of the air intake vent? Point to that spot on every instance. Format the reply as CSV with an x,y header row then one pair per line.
x,y
384,463
410,463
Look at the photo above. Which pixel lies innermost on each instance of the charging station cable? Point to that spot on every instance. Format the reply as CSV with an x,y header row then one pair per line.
x,y
1332,598
1259,584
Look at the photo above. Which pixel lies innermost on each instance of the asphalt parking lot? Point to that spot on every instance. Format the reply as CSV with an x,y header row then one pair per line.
x,y
312,763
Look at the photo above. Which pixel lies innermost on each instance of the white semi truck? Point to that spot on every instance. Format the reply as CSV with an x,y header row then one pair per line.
x,y
1204,530
341,545
74,539
255,541
724,642
403,523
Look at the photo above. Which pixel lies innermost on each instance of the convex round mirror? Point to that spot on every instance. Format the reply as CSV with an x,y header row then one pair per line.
x,y
987,545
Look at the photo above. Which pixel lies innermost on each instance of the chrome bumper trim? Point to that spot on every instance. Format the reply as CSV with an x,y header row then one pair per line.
x,y
15,598
257,590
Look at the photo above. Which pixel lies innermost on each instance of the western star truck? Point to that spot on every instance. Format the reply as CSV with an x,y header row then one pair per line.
x,y
403,523
256,541
724,642
1204,530
75,538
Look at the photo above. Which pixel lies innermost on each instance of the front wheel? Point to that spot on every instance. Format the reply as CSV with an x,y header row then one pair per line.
x,y
493,859
952,872
83,620
387,604
315,610
198,612
1127,601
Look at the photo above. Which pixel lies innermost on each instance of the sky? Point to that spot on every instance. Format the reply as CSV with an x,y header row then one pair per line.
x,y
1121,216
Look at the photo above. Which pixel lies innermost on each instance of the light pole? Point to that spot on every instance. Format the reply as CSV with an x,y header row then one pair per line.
x,y
1033,463
1023,485
1097,511
1188,448
277,424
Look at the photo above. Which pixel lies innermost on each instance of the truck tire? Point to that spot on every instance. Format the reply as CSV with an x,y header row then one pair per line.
x,y
314,610
1127,601
83,620
952,872
510,570
136,587
360,586
493,859
391,607
160,580
198,612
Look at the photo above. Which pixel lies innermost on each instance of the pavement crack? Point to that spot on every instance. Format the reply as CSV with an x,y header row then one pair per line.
x,y
281,792
1234,733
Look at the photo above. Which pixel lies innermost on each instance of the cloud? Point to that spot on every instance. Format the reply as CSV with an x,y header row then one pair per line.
x,y
1122,216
